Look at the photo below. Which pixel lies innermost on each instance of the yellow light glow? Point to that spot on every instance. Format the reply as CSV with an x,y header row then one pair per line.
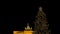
x,y
28,32
18,32
22,32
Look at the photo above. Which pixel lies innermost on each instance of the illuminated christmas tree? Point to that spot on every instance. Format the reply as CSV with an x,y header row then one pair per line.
x,y
41,26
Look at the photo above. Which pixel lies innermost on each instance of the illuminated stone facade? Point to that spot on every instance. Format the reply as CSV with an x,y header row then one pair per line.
x,y
27,30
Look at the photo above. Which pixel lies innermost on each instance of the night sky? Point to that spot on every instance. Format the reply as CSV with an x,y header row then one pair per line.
x,y
19,14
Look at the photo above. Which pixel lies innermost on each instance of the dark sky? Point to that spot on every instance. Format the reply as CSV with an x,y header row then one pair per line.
x,y
19,14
